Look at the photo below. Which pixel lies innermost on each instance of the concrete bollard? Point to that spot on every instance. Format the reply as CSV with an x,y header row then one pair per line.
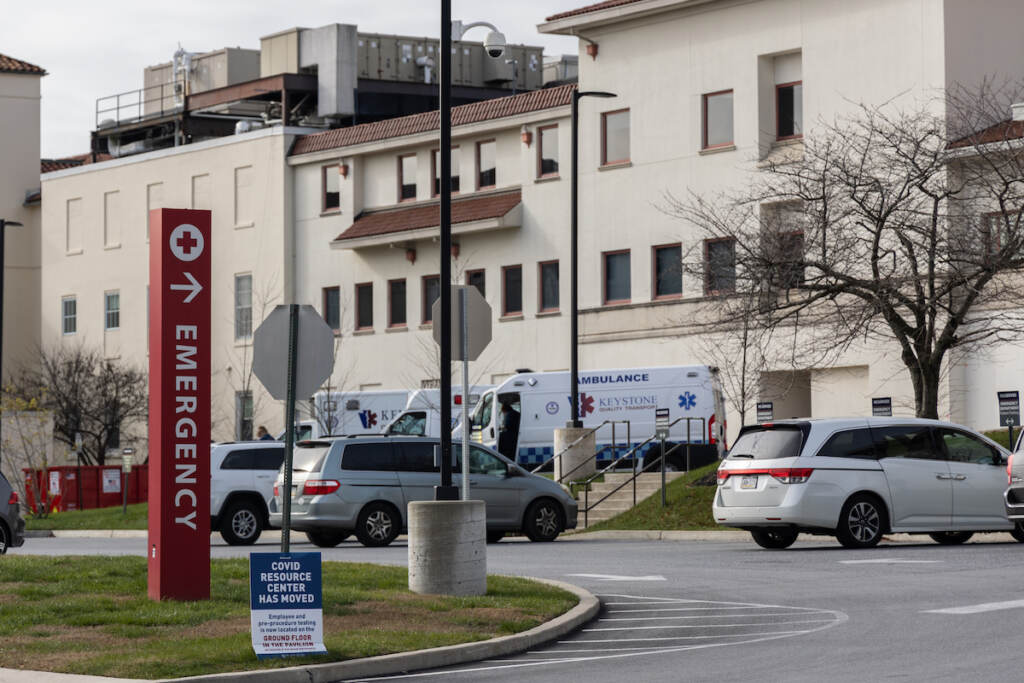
x,y
448,547
583,452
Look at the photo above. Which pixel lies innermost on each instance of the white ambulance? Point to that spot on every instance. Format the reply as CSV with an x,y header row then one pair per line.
x,y
422,414
540,403
349,412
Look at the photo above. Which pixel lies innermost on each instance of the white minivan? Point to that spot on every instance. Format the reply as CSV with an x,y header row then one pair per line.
x,y
539,402
860,478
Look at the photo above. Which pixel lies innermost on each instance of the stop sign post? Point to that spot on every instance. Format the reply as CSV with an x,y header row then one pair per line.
x,y
471,333
309,343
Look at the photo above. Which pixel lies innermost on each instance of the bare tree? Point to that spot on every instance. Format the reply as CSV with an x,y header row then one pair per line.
x,y
892,226
99,398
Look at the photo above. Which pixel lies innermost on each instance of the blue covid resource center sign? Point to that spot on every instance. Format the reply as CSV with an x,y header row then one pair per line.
x,y
286,604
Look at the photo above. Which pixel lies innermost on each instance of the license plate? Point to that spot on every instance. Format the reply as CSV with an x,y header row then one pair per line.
x,y
748,482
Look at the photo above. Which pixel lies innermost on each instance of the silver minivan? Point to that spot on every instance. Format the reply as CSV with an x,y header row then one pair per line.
x,y
363,485
860,478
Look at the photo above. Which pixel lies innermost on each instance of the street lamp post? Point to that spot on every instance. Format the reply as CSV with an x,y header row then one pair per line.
x,y
3,234
574,372
494,45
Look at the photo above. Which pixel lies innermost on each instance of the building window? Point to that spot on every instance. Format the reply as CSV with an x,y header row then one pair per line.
x,y
477,278
332,307
243,416
615,137
616,277
435,167
396,303
788,259
548,286
111,310
243,306
111,219
995,230
243,196
74,226
364,306
431,292
717,119
407,178
547,151
668,271
69,315
720,266
512,290
331,184
789,110
486,160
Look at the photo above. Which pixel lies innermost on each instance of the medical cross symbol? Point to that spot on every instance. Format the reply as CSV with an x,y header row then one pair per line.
x,y
186,242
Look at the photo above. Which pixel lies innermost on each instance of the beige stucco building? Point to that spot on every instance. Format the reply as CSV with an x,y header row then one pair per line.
x,y
346,220
19,201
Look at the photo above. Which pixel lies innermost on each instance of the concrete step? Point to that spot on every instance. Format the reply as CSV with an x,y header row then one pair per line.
x,y
647,485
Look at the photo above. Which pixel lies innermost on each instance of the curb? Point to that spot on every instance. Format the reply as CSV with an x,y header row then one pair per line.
x,y
384,665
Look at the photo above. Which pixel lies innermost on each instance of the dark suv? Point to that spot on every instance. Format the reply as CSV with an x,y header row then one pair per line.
x,y
12,526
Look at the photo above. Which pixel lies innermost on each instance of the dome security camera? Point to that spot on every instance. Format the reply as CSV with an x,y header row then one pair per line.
x,y
494,44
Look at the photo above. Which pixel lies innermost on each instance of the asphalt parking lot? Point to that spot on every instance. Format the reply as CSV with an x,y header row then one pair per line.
x,y
728,610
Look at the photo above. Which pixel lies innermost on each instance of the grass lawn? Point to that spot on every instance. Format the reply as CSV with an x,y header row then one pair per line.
x,y
689,507
99,518
90,615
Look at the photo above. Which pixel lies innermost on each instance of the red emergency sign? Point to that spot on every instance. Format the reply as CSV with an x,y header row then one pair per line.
x,y
179,405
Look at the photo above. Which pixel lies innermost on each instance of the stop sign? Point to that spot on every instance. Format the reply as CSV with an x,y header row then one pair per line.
x,y
314,352
478,319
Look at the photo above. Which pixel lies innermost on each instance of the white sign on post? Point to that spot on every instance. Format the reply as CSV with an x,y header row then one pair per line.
x,y
111,481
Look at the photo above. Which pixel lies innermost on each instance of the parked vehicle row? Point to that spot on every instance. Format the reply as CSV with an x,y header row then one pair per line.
x,y
12,526
860,478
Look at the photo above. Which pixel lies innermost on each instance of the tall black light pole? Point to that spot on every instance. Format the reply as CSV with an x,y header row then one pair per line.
x,y
574,373
3,239
446,491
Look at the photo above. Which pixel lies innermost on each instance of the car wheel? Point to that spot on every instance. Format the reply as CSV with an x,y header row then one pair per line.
x,y
861,523
5,538
543,521
1018,532
326,539
377,525
774,538
242,524
495,536
951,537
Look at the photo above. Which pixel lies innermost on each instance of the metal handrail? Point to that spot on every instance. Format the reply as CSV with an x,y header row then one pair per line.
x,y
136,101
590,431
614,446
587,507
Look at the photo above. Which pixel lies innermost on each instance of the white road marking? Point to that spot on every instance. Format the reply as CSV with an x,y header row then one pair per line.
x,y
616,577
708,637
661,628
715,616
978,609
890,561
694,609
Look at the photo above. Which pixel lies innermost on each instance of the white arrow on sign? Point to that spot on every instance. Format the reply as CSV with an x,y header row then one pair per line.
x,y
193,288
615,577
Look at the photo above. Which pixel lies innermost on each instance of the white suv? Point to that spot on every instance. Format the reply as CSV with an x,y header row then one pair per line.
x,y
241,484
859,478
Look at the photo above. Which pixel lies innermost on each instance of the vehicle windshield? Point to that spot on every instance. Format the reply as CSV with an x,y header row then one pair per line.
x,y
482,416
307,457
767,444
411,424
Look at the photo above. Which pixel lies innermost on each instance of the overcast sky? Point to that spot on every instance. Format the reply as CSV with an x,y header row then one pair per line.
x,y
99,48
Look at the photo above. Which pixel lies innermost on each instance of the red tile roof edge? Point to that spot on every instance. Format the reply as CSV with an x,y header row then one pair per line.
x,y
1000,132
11,65
485,110
428,215
596,7
50,165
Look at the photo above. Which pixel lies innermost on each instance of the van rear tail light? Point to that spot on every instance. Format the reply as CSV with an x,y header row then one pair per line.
x,y
785,475
792,475
711,430
277,491
13,499
319,487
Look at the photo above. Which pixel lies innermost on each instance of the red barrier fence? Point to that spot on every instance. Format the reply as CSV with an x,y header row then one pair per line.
x,y
71,487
